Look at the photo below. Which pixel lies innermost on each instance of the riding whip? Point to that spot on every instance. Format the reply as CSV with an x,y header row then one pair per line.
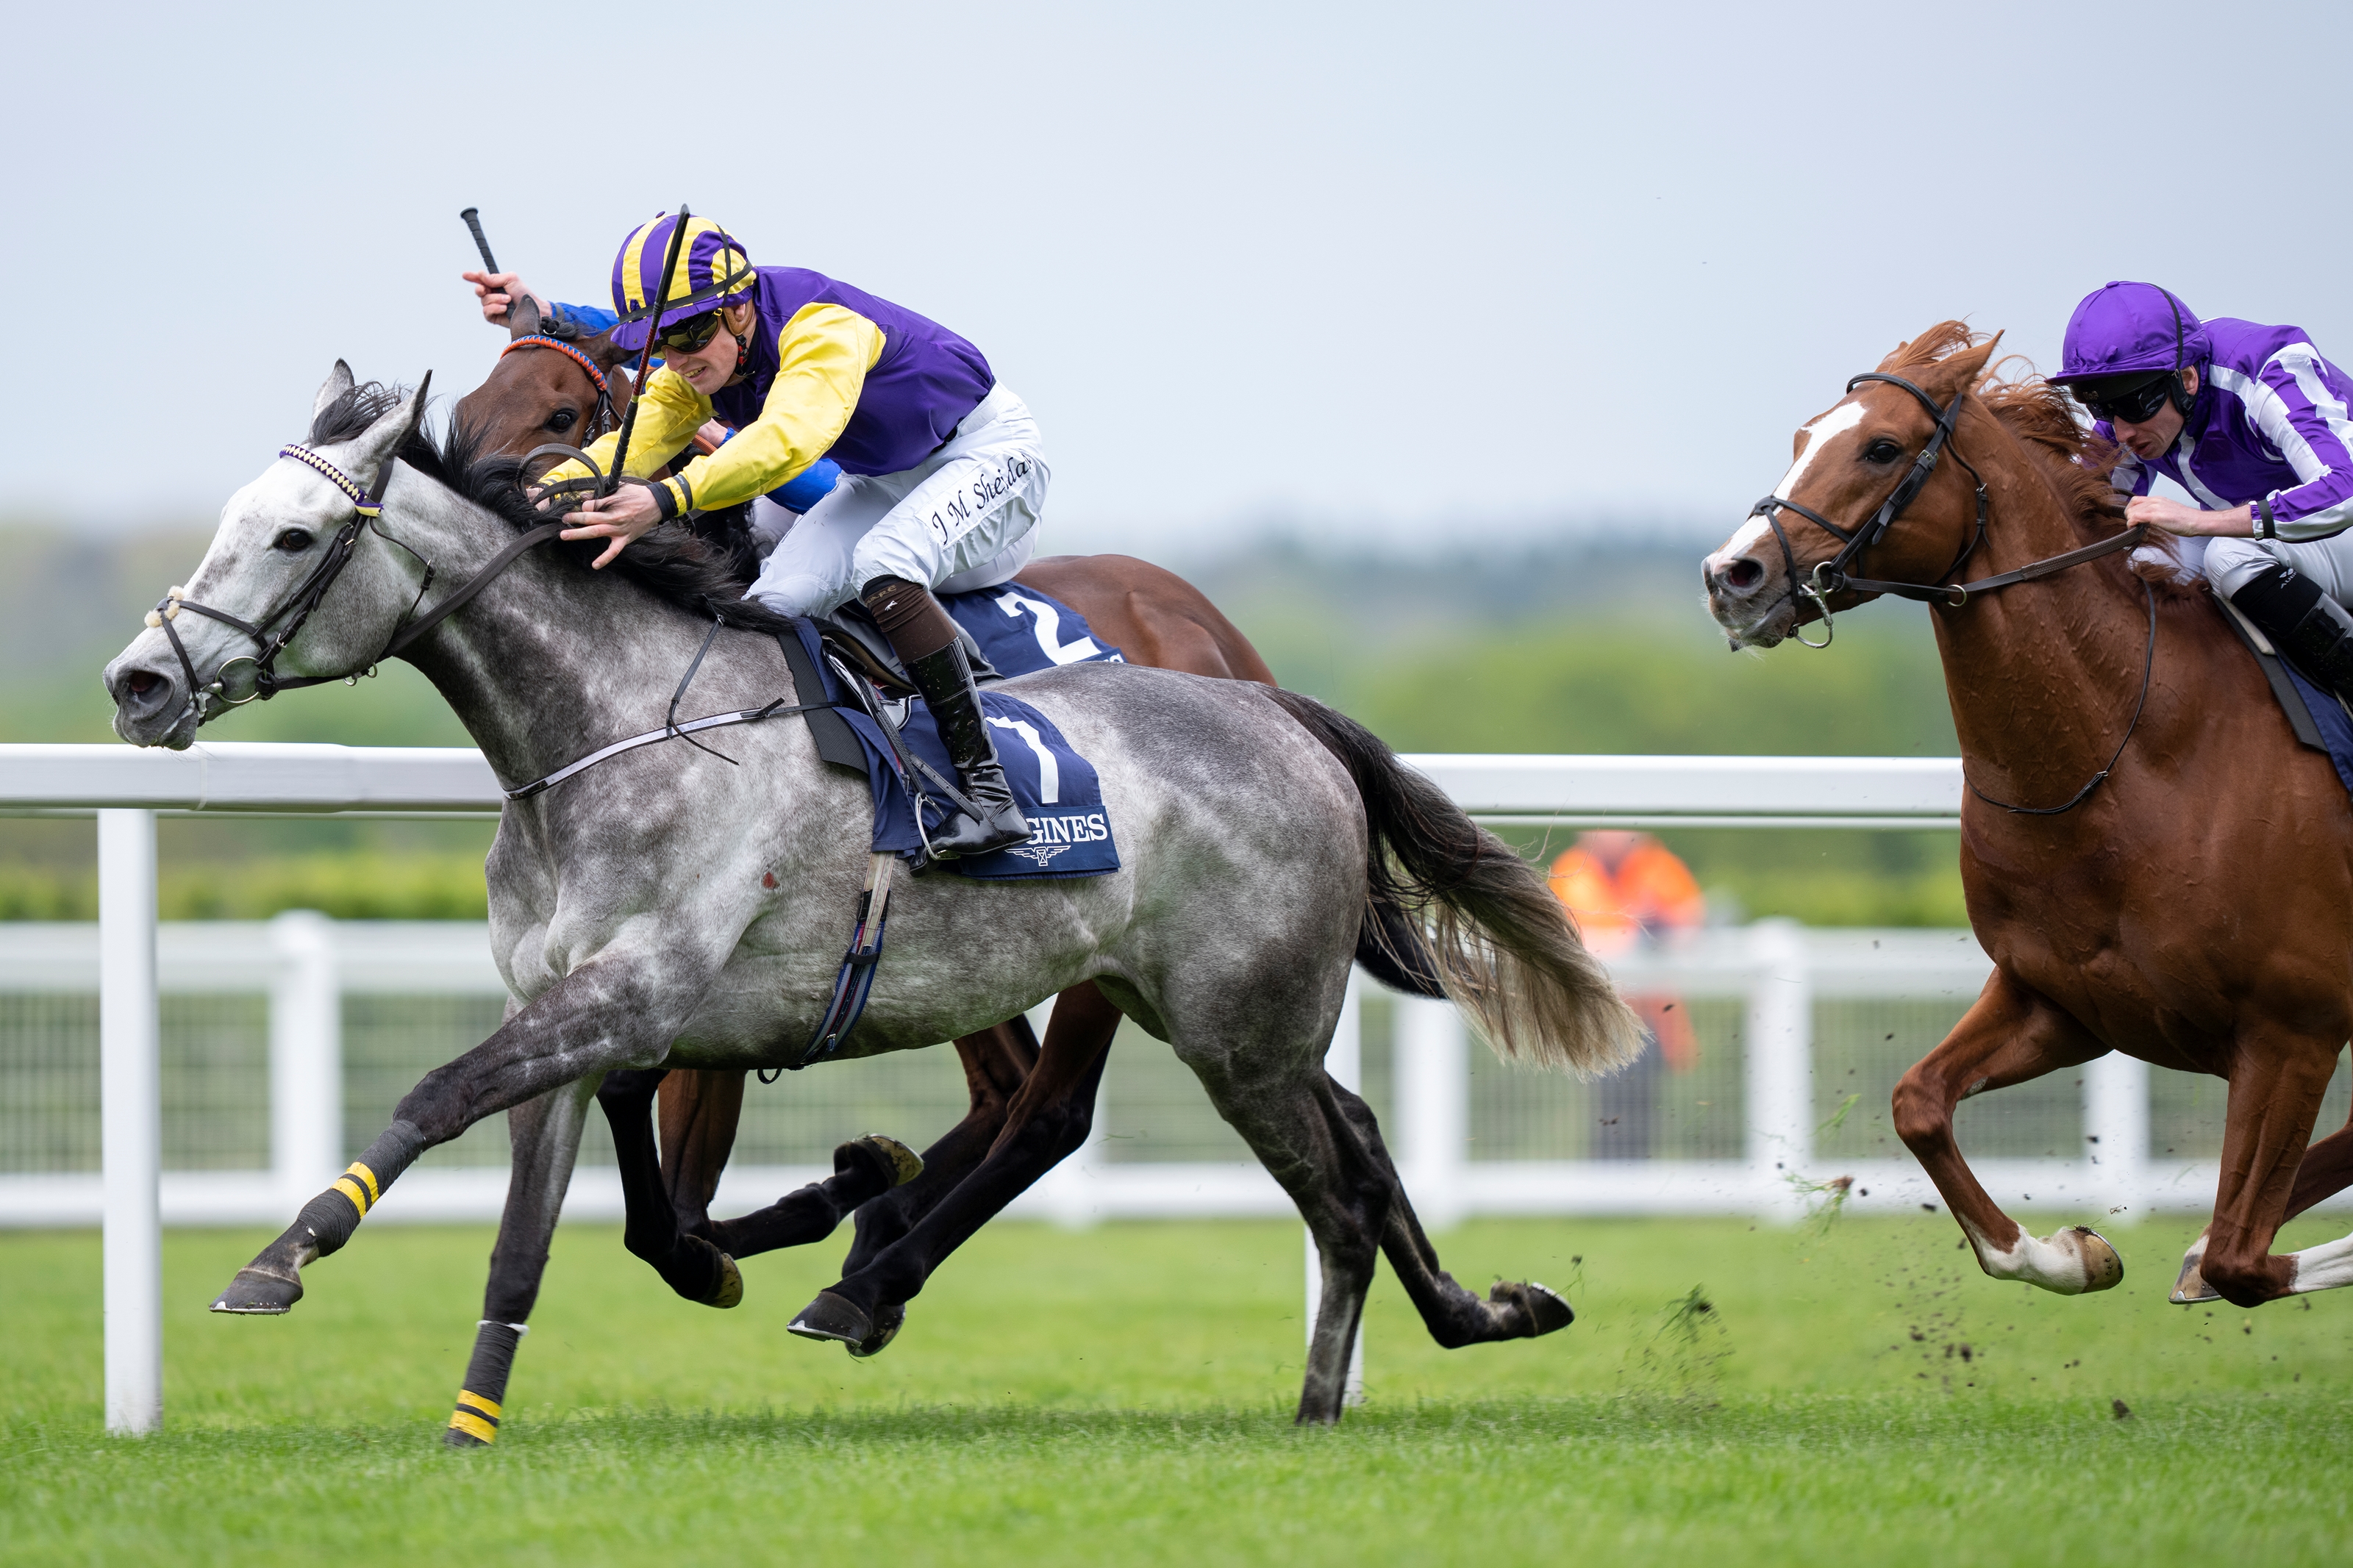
x,y
474,216
645,354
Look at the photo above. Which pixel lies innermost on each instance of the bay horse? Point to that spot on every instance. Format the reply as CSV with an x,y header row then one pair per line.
x,y
2154,863
1031,1106
669,908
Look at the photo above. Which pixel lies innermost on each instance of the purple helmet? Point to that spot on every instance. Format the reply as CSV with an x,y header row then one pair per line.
x,y
712,269
2131,330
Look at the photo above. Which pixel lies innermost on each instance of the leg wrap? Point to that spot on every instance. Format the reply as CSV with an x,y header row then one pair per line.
x,y
481,1404
334,1214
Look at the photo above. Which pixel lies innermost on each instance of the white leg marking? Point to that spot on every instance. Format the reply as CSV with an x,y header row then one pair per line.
x,y
2068,1262
2322,1268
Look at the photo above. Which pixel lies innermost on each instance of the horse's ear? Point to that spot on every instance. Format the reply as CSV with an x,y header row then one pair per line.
x,y
340,380
377,445
1966,367
522,317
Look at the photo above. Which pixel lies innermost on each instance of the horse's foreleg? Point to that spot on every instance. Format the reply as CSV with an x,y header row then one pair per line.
x,y
889,1198
616,1010
1046,1121
687,1264
2009,1036
544,1138
2275,1091
700,1109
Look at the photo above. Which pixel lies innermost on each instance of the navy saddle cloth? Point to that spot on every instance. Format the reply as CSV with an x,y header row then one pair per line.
x,y
1056,788
1023,631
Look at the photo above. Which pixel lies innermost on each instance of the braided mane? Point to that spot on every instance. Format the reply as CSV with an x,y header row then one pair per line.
x,y
703,576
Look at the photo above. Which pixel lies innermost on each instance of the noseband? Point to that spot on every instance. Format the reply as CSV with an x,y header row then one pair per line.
x,y
288,618
1830,577
602,420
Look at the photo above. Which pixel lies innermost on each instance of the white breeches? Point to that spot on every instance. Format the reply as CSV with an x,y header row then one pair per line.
x,y
964,518
2232,564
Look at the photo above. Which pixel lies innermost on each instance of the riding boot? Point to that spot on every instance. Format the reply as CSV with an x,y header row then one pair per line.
x,y
2304,623
926,641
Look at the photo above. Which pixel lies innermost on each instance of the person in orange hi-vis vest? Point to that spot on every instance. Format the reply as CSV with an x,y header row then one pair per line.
x,y
1625,889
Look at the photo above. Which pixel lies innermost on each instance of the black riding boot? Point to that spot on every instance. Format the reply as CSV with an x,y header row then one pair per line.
x,y
926,641
2303,623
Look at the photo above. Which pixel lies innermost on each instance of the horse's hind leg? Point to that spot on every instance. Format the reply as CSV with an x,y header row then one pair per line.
x,y
544,1139
1513,1310
2008,1036
1047,1121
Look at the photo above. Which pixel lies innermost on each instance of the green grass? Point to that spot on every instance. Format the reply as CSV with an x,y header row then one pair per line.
x,y
1123,1396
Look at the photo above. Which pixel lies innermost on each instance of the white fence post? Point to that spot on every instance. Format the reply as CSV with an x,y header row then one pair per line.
x,y
1431,1071
1346,1062
1780,1070
2116,1130
130,1133
306,1056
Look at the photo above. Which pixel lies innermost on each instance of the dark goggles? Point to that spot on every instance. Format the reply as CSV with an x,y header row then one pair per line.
x,y
2129,400
690,335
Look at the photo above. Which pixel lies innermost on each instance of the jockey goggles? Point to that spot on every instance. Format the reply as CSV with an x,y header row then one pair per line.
x,y
690,335
2130,400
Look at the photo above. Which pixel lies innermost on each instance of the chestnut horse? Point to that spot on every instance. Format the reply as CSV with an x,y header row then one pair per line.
x,y
2192,906
1031,1106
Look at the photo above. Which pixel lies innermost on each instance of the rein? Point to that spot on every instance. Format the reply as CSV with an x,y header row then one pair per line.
x,y
1829,577
602,420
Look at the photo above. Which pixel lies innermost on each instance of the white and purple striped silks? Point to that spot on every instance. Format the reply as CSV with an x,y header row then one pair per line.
x,y
2272,426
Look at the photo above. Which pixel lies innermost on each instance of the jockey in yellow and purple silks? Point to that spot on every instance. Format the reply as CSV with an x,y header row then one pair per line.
x,y
944,475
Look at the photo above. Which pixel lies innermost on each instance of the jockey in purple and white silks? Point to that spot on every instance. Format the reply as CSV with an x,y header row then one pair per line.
x,y
943,473
2253,423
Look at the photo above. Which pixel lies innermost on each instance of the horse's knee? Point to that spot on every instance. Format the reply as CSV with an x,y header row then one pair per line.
x,y
1920,1114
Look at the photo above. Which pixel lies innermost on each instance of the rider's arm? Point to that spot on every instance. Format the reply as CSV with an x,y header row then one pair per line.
x,y
822,357
668,414
2316,439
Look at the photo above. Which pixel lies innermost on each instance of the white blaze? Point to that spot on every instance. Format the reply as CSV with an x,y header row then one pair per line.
x,y
1817,435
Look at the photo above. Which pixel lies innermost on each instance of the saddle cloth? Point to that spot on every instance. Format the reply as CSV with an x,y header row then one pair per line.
x,y
2317,715
1023,631
1056,788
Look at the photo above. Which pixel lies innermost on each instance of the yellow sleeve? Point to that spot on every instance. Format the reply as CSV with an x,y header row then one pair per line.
x,y
668,414
822,357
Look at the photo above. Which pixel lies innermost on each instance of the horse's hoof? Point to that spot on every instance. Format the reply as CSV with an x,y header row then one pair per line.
x,y
2103,1269
453,1439
260,1293
2191,1287
905,1163
731,1284
832,1317
1545,1309
889,1318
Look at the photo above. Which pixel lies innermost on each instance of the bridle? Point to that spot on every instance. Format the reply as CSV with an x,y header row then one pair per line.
x,y
602,420
1829,577
271,633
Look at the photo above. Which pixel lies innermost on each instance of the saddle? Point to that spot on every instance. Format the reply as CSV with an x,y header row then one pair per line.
x,y
850,633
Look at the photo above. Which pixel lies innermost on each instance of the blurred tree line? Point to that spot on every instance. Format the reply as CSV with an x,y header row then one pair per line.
x,y
1568,648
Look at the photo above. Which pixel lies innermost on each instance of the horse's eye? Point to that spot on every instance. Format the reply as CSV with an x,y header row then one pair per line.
x,y
1881,451
294,541
562,419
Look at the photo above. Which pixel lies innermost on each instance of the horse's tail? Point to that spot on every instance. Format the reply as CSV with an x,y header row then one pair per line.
x,y
1484,923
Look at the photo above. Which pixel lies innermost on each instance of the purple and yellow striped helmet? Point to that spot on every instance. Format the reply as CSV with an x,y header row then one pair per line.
x,y
711,267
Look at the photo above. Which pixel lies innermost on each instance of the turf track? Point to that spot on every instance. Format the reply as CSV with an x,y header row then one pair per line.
x,y
1122,1395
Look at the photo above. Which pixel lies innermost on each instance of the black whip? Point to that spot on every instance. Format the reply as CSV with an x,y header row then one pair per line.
x,y
474,216
653,329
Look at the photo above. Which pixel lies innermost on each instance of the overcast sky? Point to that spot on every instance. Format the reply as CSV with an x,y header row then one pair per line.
x,y
1427,276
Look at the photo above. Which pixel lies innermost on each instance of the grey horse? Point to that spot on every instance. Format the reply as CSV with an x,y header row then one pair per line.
x,y
671,907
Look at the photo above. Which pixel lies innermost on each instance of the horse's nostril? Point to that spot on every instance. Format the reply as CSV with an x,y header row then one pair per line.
x,y
1744,574
139,682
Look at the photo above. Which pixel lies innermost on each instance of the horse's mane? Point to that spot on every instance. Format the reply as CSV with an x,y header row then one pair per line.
x,y
2040,414
676,564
